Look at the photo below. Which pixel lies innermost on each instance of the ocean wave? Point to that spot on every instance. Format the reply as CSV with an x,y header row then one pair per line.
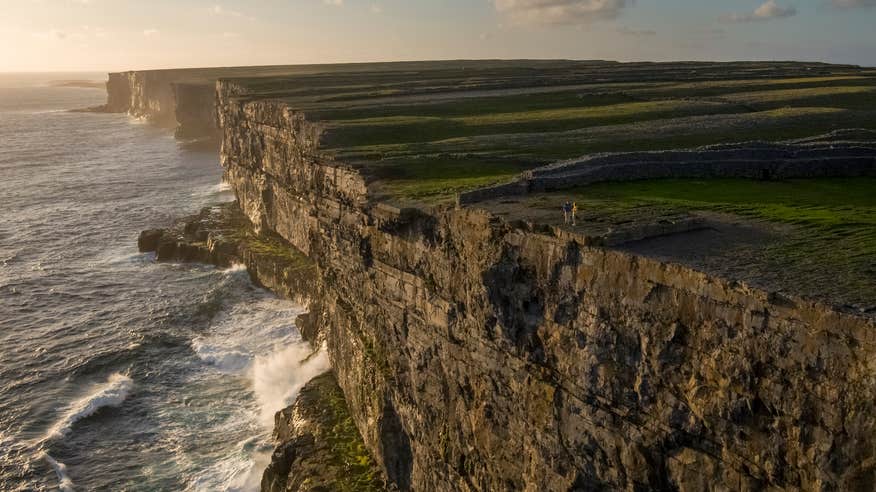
x,y
254,337
65,484
110,394
49,111
231,361
124,256
244,328
240,471
233,285
276,379
244,324
217,189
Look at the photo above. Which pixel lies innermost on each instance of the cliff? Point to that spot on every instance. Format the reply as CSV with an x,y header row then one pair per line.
x,y
165,99
477,354
480,353
144,94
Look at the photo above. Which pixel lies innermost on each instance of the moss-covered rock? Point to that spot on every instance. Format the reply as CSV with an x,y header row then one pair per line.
x,y
319,447
223,236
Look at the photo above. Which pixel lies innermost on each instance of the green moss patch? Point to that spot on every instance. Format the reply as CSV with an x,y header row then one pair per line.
x,y
337,458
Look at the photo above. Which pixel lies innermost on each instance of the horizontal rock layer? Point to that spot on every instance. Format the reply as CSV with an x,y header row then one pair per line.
x,y
477,355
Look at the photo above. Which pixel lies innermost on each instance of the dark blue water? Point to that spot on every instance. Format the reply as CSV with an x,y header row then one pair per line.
x,y
118,373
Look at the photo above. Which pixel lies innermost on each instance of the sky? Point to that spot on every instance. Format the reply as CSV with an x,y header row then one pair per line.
x,y
111,35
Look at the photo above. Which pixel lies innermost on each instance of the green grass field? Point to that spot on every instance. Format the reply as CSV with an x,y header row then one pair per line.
x,y
425,131
836,206
830,245
527,131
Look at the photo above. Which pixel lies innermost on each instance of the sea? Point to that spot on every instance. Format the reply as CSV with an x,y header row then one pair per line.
x,y
117,372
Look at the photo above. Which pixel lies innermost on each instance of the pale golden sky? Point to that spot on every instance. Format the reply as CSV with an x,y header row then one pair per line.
x,y
103,35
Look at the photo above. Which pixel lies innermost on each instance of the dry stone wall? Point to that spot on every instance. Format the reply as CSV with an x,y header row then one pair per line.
x,y
753,160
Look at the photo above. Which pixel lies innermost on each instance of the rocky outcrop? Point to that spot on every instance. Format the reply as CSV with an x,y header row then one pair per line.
x,y
475,354
320,448
222,236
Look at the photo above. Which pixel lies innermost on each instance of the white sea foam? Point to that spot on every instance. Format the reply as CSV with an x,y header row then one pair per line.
x,y
256,341
240,471
259,339
277,378
246,330
49,111
110,394
236,268
64,482
228,360
223,190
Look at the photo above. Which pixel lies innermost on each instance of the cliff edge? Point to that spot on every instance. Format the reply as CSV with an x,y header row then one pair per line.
x,y
477,352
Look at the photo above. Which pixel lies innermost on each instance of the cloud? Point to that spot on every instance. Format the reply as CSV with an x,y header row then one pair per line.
x,y
852,4
769,10
376,8
77,34
560,12
54,34
151,32
219,10
336,3
637,33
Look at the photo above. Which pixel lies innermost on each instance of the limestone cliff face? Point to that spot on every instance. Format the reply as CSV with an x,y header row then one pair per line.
x,y
160,97
480,355
118,91
195,110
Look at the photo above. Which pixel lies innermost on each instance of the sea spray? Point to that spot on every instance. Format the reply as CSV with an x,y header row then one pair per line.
x,y
110,394
278,377
256,343
64,482
275,379
221,192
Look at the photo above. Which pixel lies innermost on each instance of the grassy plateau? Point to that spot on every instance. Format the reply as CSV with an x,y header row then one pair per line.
x,y
425,131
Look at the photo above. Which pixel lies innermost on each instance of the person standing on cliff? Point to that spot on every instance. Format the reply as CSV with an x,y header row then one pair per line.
x,y
574,213
567,211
